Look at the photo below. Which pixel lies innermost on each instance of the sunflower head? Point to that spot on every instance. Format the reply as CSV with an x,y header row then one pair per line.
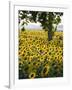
x,y
45,71
32,75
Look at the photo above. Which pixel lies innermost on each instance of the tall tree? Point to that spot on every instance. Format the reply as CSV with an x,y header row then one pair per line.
x,y
47,19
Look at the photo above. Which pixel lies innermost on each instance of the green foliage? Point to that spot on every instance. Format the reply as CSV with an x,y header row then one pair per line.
x,y
47,19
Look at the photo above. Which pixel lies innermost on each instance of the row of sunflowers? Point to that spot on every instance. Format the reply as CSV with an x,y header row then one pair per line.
x,y
38,57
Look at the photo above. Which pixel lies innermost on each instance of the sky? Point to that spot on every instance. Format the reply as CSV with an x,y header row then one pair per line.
x,y
37,26
33,26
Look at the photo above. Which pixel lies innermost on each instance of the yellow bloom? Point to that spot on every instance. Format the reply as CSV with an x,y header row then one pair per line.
x,y
32,75
30,58
45,71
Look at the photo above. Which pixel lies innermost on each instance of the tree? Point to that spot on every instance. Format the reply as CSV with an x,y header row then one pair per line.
x,y
47,19
23,15
57,21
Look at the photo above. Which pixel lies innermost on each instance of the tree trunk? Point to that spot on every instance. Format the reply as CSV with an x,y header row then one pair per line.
x,y
50,26
49,36
56,28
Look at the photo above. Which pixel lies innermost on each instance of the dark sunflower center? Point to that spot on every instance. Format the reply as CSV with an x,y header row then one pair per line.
x,y
45,69
49,53
32,75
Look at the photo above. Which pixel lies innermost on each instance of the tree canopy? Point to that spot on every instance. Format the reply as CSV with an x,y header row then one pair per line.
x,y
47,19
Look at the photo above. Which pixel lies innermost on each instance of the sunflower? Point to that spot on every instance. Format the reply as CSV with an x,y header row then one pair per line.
x,y
42,57
26,58
20,62
30,58
32,75
45,71
19,53
61,58
20,47
38,63
37,53
50,48
46,57
49,58
57,57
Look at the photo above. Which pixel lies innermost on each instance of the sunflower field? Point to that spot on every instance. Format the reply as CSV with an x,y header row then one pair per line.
x,y
38,57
